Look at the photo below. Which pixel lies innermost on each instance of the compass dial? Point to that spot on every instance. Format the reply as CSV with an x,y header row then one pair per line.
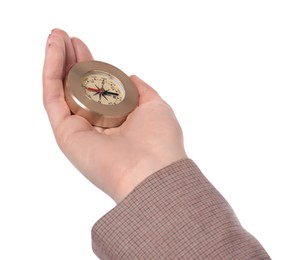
x,y
103,88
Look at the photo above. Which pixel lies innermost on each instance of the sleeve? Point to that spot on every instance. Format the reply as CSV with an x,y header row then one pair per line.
x,y
176,213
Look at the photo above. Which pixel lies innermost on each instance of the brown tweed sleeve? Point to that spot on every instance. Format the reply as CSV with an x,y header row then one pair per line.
x,y
175,213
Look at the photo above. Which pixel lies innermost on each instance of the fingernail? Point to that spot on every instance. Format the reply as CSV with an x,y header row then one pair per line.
x,y
48,42
55,29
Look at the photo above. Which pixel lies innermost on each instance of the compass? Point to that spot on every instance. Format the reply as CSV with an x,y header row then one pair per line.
x,y
100,92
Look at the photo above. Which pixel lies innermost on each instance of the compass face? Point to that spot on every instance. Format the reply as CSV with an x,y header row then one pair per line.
x,y
103,88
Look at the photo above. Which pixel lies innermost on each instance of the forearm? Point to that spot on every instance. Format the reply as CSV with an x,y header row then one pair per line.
x,y
174,213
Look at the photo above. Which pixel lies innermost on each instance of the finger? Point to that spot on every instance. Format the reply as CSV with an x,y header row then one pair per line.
x,y
81,50
146,92
70,57
53,71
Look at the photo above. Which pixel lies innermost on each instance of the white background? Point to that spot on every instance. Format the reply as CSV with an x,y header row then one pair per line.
x,y
228,69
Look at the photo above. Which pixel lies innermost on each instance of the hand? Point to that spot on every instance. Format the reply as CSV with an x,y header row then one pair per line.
x,y
116,160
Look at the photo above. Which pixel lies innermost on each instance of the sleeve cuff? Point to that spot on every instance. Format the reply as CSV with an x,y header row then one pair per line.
x,y
174,213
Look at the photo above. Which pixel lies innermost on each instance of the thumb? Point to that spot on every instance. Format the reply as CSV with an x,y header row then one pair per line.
x,y
146,92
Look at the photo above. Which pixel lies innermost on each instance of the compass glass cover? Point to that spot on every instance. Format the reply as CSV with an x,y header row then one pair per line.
x,y
103,88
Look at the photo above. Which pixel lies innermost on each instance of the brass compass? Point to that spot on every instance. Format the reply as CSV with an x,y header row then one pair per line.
x,y
100,92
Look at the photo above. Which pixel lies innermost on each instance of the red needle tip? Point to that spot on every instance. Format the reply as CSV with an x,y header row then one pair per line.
x,y
94,89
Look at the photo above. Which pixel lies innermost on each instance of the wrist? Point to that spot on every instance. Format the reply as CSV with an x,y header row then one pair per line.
x,y
142,170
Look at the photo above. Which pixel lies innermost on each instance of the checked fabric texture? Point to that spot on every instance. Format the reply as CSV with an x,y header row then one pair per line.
x,y
176,213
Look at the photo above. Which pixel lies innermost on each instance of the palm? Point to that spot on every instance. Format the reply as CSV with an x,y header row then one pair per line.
x,y
149,139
